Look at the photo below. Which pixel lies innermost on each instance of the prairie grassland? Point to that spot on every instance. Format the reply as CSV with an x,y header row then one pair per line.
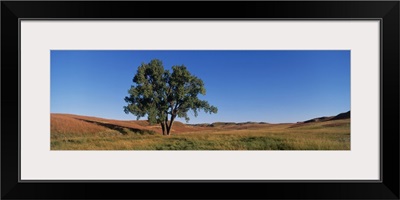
x,y
73,132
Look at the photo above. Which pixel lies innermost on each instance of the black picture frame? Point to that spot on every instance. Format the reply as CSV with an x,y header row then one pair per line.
x,y
386,11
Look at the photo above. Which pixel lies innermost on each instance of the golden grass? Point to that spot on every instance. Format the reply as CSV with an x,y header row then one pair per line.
x,y
72,132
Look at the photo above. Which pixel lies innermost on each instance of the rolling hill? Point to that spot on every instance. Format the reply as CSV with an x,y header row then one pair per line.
x,y
69,123
76,132
78,124
345,115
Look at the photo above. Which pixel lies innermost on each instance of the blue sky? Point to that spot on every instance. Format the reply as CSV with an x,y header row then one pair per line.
x,y
268,86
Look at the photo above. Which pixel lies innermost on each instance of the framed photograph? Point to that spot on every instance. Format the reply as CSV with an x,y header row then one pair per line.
x,y
301,98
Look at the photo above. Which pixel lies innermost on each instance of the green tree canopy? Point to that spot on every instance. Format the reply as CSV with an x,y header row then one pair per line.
x,y
163,96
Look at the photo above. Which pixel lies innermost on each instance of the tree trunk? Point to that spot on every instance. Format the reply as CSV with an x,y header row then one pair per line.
x,y
170,125
168,130
163,128
166,125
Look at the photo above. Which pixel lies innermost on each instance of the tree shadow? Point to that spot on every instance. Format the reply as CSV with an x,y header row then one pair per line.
x,y
122,129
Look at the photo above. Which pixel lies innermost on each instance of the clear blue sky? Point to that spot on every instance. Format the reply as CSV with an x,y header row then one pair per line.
x,y
268,86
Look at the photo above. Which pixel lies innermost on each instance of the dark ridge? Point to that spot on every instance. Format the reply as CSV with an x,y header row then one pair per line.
x,y
121,129
320,119
345,115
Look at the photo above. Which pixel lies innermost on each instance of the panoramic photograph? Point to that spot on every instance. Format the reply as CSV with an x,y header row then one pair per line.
x,y
200,100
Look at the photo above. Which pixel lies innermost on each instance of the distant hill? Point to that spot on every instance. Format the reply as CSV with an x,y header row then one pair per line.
x,y
345,115
70,123
78,124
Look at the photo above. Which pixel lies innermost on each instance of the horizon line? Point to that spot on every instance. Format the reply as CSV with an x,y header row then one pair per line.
x,y
241,122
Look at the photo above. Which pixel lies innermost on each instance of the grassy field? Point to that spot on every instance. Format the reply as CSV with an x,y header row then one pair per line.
x,y
74,132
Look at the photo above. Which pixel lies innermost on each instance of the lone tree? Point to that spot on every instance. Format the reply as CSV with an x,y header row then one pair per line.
x,y
163,96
